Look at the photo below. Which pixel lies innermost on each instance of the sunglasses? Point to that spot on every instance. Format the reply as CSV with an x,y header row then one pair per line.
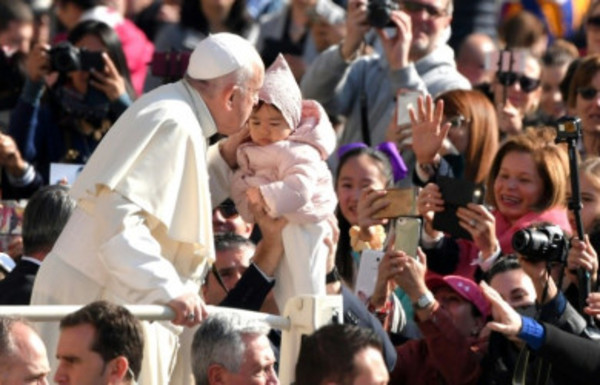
x,y
587,93
593,21
413,7
527,84
227,210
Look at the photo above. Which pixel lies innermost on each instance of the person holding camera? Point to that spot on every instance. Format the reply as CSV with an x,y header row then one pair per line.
x,y
583,254
64,122
539,248
414,57
553,344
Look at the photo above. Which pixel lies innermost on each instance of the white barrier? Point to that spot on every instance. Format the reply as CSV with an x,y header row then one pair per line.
x,y
302,315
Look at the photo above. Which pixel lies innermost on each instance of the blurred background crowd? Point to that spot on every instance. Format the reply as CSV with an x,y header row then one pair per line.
x,y
467,94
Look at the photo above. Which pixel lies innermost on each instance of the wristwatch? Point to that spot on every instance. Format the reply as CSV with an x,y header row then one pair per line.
x,y
424,301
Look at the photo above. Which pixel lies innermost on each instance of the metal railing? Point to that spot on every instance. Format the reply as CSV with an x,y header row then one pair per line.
x,y
46,313
302,315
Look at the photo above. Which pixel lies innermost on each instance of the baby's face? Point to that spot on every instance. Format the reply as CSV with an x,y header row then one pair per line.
x,y
267,125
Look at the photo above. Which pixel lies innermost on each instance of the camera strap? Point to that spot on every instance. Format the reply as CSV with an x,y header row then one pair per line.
x,y
364,119
521,367
541,371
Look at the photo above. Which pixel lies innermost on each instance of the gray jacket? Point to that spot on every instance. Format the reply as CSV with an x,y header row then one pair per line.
x,y
339,86
272,26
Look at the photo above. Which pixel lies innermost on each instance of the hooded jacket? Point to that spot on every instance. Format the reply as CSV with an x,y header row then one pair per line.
x,y
293,177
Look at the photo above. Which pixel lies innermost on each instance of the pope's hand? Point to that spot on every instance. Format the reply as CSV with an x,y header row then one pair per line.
x,y
189,309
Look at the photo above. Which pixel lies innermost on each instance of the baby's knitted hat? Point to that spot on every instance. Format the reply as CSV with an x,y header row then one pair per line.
x,y
281,90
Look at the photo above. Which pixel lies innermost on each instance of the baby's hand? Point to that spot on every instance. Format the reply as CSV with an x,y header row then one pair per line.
x,y
254,196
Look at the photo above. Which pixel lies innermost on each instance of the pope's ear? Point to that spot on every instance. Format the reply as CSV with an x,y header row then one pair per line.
x,y
228,94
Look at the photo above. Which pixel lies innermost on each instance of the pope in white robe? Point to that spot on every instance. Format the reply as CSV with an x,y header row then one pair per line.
x,y
142,230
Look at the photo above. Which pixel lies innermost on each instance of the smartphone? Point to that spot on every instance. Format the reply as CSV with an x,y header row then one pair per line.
x,y
404,100
402,202
505,60
408,235
368,269
456,193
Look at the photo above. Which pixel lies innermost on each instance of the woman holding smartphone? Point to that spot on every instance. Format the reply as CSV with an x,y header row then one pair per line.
x,y
526,185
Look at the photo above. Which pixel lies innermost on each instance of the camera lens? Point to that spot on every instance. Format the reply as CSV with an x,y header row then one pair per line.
x,y
521,241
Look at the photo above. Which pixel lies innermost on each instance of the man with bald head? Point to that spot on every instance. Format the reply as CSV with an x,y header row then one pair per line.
x,y
471,59
142,229
23,358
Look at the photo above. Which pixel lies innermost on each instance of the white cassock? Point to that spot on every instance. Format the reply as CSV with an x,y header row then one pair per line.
x,y
142,230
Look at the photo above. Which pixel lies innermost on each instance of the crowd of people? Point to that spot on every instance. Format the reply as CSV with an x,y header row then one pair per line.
x,y
241,153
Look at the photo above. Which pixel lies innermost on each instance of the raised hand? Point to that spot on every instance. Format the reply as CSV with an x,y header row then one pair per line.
x,y
481,224
356,27
429,202
428,133
582,255
37,64
506,319
108,81
397,46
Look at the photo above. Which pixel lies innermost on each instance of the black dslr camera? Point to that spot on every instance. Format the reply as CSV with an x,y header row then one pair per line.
x,y
543,243
379,11
65,57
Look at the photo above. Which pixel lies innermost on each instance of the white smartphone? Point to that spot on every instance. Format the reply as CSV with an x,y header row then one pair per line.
x,y
404,100
368,270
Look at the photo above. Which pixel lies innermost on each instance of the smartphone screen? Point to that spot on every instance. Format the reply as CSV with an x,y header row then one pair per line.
x,y
405,100
408,235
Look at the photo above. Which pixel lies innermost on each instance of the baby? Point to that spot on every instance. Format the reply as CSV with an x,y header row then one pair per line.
x,y
283,168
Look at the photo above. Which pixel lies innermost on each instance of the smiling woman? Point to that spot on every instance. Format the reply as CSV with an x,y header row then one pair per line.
x,y
584,101
526,185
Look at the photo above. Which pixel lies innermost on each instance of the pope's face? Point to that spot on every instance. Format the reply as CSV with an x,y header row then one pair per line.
x,y
243,99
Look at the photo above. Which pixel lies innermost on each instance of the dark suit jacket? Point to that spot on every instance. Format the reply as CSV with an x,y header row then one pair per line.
x,y
16,288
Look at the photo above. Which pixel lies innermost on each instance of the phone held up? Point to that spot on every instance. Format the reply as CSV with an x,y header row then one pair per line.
x,y
456,193
405,225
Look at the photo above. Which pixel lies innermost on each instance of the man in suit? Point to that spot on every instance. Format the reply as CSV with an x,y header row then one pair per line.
x,y
45,216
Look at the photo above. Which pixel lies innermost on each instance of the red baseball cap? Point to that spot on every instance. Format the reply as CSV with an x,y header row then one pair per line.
x,y
465,287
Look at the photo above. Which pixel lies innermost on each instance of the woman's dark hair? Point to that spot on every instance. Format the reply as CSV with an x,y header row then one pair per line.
x,y
111,41
238,21
343,260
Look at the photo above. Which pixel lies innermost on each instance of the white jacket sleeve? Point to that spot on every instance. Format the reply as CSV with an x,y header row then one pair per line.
x,y
132,256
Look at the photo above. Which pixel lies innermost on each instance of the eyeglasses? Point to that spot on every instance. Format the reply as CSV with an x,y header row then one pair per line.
x,y
456,122
594,21
227,210
526,83
587,93
414,6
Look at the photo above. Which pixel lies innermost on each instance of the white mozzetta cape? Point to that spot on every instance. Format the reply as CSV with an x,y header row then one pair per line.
x,y
155,156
